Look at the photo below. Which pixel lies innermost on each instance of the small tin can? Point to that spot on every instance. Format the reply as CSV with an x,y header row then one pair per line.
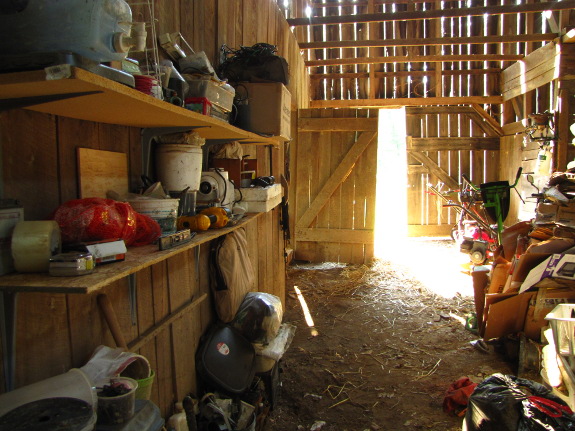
x,y
71,264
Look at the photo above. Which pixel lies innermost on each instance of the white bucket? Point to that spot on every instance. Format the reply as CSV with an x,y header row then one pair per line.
x,y
164,211
179,166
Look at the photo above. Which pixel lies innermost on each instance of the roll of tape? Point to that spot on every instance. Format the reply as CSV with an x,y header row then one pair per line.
x,y
33,243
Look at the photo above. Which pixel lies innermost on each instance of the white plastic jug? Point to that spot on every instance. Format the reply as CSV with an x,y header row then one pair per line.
x,y
87,28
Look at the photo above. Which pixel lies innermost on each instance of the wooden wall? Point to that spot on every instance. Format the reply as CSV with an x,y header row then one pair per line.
x,y
335,167
57,331
458,128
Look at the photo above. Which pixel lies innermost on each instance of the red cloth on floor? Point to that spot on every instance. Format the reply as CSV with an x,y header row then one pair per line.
x,y
457,396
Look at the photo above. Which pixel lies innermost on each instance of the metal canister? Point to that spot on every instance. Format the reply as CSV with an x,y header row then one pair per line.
x,y
71,264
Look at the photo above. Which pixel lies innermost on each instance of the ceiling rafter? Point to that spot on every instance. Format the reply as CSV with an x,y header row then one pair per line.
x,y
479,40
445,72
414,59
434,13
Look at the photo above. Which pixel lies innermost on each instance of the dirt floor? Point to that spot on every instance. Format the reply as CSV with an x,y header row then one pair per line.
x,y
390,340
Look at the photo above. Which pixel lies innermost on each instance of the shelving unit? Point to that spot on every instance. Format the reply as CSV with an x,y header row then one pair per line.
x,y
113,103
137,258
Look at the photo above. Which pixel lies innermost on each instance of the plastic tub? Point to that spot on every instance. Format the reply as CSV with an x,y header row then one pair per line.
x,y
164,211
118,409
73,384
145,387
179,166
562,322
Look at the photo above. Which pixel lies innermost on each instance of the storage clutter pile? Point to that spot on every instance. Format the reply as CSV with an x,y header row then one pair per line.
x,y
519,299
111,391
248,89
238,366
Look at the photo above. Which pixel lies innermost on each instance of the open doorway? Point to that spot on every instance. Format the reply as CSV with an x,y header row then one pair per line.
x,y
391,188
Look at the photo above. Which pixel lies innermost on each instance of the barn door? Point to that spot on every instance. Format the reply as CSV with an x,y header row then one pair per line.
x,y
443,143
335,181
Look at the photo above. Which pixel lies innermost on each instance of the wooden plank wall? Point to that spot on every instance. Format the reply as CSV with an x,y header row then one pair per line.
x,y
426,216
56,331
351,207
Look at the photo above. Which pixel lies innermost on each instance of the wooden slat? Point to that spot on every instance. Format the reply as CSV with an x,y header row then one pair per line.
x,y
409,101
337,124
423,110
378,74
336,178
434,168
344,236
453,144
514,128
431,41
413,59
535,70
492,123
42,350
430,14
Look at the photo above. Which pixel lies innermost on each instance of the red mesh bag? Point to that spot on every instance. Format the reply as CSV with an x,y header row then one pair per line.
x,y
95,219
147,230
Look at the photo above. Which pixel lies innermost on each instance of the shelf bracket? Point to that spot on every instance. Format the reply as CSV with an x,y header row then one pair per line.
x,y
132,285
149,134
8,333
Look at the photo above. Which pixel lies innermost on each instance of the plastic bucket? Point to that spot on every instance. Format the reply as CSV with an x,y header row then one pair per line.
x,y
145,387
119,409
179,166
164,211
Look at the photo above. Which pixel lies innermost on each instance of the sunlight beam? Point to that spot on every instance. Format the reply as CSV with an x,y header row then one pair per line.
x,y
306,313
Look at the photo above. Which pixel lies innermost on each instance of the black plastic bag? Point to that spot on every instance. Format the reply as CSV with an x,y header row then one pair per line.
x,y
508,403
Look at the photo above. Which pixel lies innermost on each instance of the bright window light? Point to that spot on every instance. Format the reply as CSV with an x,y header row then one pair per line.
x,y
308,11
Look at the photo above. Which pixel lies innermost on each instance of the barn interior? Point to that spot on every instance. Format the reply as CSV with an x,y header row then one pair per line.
x,y
416,167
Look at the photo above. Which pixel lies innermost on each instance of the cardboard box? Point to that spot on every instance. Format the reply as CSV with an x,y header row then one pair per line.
x,y
542,304
261,199
546,213
107,251
507,316
266,108
499,277
566,216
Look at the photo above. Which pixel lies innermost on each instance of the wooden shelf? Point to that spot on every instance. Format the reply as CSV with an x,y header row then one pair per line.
x,y
137,258
116,103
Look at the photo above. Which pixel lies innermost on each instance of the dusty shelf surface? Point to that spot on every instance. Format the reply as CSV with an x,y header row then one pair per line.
x,y
386,352
137,258
115,103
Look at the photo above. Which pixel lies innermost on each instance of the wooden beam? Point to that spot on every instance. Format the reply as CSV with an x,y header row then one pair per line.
x,y
434,13
426,110
491,122
346,236
537,69
434,168
413,59
316,5
417,169
409,101
315,76
337,124
480,40
453,144
514,128
336,178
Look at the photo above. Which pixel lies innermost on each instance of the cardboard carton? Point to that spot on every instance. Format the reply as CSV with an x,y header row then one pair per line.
x,y
558,270
266,108
506,316
542,304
